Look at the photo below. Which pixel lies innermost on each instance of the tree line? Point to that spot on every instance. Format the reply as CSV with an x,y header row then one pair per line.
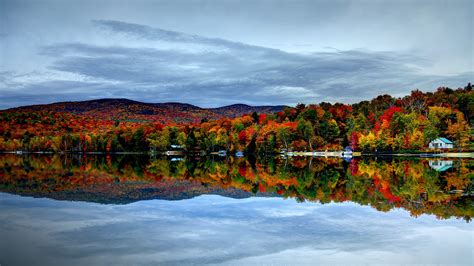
x,y
384,123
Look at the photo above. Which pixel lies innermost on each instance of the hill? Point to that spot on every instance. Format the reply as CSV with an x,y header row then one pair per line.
x,y
236,110
134,111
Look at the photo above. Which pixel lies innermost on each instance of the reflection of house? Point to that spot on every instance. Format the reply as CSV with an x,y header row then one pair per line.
x,y
440,165
173,146
348,148
175,150
441,143
347,152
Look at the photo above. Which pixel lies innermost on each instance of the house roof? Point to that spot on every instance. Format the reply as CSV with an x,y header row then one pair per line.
x,y
445,140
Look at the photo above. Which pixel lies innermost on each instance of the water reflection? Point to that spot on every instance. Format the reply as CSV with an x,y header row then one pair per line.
x,y
215,230
416,185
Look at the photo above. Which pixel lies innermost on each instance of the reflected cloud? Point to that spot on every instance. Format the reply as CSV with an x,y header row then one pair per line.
x,y
217,230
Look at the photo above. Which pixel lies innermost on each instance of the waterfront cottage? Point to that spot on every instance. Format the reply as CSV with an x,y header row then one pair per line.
x,y
441,143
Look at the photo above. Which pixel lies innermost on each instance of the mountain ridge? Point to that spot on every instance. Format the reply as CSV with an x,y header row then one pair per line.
x,y
105,100
123,109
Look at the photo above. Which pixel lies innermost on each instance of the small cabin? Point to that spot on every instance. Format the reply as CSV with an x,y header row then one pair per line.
x,y
441,143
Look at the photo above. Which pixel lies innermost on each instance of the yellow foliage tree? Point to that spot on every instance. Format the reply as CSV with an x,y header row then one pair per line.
x,y
459,131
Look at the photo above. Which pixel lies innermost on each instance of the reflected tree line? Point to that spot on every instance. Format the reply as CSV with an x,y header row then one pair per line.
x,y
384,184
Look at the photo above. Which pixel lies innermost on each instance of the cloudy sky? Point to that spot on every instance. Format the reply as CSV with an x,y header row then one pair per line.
x,y
214,53
214,230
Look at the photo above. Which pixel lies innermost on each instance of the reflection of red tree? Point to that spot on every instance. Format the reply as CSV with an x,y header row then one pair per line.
x,y
354,166
384,188
299,163
242,170
152,177
242,136
407,169
340,195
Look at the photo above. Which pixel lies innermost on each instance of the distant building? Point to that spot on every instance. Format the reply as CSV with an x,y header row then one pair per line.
x,y
441,143
440,165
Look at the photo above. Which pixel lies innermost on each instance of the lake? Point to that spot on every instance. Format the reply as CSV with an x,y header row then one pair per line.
x,y
124,209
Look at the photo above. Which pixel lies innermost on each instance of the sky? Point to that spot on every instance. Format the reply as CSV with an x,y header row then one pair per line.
x,y
214,230
215,53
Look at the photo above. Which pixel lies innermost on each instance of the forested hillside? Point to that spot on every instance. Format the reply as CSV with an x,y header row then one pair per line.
x,y
132,111
384,123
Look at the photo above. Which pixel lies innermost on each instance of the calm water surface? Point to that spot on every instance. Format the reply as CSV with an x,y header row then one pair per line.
x,y
126,210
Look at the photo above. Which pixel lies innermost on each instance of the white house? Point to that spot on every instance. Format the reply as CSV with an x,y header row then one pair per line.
x,y
441,143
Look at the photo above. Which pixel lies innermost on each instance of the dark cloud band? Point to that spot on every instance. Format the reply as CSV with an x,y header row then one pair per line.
x,y
223,72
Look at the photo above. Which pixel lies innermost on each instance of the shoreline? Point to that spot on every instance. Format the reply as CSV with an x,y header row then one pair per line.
x,y
290,154
404,154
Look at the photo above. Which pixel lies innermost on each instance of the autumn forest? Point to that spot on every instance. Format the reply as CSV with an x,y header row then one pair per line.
x,y
383,124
